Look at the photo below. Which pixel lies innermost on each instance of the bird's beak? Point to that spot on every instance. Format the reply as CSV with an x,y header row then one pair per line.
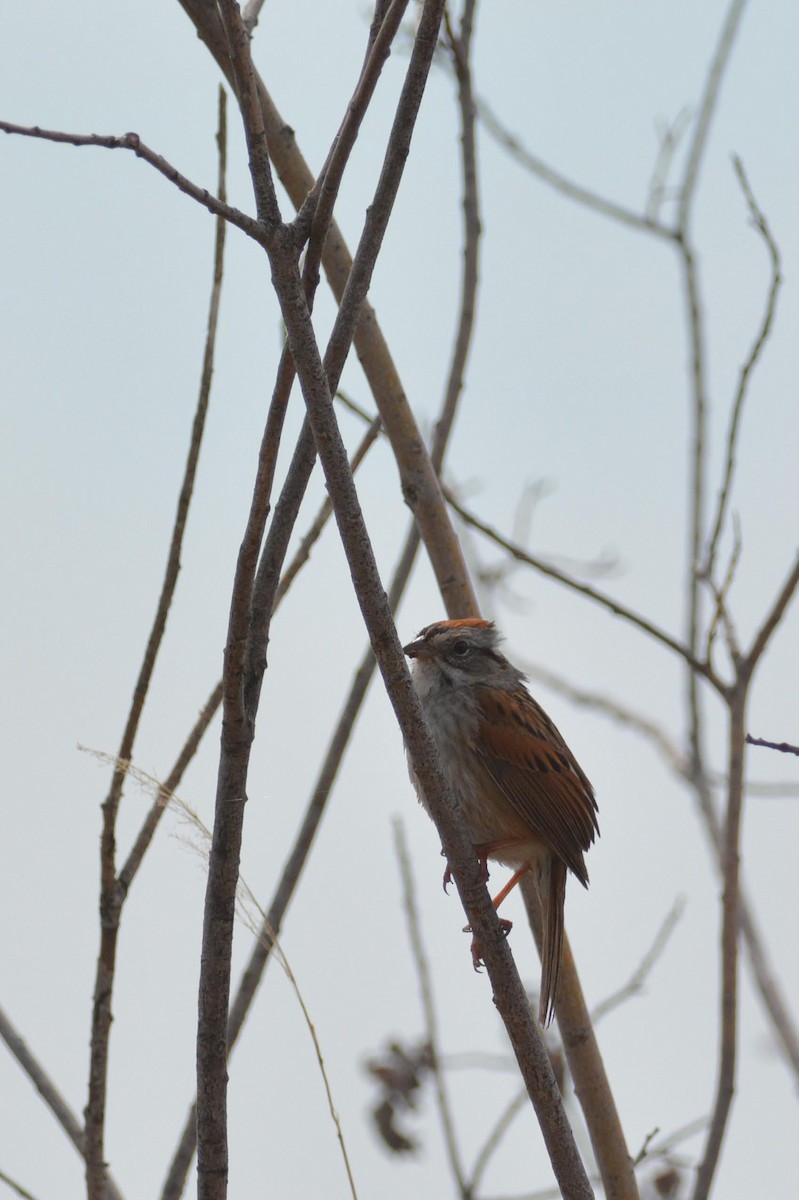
x,y
418,649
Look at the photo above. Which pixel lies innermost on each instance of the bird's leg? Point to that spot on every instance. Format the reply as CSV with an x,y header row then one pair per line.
x,y
508,888
505,925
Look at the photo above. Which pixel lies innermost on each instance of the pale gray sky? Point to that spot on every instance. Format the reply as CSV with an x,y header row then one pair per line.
x,y
577,376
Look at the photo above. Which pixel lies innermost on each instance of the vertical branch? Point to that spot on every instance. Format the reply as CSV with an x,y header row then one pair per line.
x,y
706,109
112,895
761,225
730,861
728,1031
176,1175
251,978
428,1007
244,82
587,1069
509,995
693,306
420,485
253,595
461,45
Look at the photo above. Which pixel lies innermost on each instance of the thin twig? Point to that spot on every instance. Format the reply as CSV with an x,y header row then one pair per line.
x,y
420,485
761,225
562,184
729,946
52,1097
783,747
253,916
494,1139
132,141
431,1035
694,319
238,40
319,205
591,1084
44,1085
16,1187
211,706
772,620
649,729
670,136
258,927
257,922
112,895
461,47
317,525
177,1172
584,589
721,613
705,114
639,976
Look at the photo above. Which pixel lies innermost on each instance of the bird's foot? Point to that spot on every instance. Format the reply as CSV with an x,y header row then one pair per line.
x,y
477,958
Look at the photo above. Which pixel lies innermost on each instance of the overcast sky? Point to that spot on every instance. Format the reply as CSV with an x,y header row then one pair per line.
x,y
578,378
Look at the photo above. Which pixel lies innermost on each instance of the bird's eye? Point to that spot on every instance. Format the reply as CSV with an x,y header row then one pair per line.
x,y
461,648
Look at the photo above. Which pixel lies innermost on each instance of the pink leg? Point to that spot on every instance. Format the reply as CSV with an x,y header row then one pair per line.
x,y
477,960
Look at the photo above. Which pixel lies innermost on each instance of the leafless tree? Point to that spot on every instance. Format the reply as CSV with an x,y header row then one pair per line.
x,y
294,250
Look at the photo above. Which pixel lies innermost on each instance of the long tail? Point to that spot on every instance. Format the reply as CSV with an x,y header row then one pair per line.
x,y
553,897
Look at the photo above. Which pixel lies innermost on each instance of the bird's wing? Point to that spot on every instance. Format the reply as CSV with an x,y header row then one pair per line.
x,y
528,760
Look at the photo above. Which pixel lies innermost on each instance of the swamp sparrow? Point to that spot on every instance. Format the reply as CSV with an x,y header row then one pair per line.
x,y
526,802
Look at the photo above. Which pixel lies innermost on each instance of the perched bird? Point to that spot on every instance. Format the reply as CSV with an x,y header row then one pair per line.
x,y
526,801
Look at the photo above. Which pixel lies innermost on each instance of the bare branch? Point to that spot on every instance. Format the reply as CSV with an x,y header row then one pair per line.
x,y
585,589
16,1187
783,747
43,1083
420,485
246,90
52,1097
729,946
509,994
649,729
494,1139
639,976
721,613
428,1005
778,611
761,225
132,141
706,110
112,895
664,1148
248,985
322,517
211,706
587,1070
171,783
564,185
670,136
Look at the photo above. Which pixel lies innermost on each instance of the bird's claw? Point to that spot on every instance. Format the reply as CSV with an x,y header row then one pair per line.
x,y
477,958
